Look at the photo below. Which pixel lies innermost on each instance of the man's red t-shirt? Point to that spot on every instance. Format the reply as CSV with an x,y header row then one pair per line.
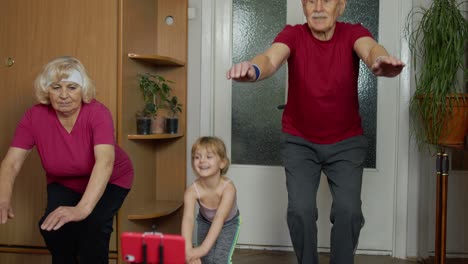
x,y
322,104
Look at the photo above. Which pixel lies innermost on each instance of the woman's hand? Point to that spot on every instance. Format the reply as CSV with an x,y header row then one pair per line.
x,y
10,166
63,215
6,212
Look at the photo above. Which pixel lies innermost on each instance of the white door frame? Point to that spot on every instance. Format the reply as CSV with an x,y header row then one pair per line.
x,y
216,40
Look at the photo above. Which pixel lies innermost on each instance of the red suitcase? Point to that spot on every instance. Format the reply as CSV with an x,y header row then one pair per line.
x,y
152,248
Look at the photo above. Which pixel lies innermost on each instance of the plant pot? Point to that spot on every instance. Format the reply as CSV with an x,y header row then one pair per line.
x,y
159,124
454,126
172,125
143,124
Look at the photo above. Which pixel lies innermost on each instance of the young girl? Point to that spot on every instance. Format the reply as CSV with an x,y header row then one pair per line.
x,y
218,219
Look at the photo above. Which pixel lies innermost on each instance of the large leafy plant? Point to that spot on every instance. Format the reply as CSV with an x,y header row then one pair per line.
x,y
437,39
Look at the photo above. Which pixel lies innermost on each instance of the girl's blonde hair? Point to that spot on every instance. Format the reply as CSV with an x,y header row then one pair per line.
x,y
58,69
215,145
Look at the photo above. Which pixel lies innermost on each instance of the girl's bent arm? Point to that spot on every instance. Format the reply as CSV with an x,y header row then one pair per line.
x,y
188,217
190,197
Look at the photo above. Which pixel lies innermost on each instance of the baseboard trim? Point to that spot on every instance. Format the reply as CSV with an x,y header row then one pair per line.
x,y
262,247
320,249
456,258
37,250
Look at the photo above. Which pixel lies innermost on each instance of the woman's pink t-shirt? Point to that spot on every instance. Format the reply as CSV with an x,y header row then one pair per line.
x,y
68,158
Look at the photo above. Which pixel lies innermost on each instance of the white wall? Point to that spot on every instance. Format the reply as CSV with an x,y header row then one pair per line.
x,y
421,202
193,81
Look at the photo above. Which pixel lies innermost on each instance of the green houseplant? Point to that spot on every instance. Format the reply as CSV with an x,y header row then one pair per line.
x,y
156,92
437,39
172,121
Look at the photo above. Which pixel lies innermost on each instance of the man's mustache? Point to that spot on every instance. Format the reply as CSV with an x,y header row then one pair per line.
x,y
319,15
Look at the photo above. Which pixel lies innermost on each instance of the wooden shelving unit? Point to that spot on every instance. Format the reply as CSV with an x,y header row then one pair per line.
x,y
157,60
154,136
149,45
157,209
127,38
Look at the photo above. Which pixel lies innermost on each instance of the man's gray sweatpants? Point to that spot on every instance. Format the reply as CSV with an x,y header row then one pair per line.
x,y
342,163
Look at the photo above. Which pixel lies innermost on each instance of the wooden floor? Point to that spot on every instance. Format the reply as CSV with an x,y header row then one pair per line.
x,y
248,256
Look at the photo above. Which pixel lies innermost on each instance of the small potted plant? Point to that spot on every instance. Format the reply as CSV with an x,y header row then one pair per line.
x,y
144,120
437,38
172,121
156,90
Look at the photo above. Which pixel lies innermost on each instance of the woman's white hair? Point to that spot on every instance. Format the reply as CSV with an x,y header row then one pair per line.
x,y
60,69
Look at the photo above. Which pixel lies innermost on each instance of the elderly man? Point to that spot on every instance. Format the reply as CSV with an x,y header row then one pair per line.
x,y
321,123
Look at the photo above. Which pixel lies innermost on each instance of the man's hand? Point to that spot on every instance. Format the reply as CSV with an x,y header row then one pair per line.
x,y
61,216
387,66
242,72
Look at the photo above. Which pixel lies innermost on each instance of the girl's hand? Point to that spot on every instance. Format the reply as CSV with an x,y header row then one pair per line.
x,y
61,216
197,261
194,254
189,256
198,252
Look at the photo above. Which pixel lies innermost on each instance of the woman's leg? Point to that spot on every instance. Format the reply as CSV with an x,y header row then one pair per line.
x,y
61,243
96,229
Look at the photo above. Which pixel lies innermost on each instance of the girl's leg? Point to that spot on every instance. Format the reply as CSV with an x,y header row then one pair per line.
x,y
227,240
223,249
203,226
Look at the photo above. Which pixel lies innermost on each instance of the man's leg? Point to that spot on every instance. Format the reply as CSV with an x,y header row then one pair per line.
x,y
344,167
303,170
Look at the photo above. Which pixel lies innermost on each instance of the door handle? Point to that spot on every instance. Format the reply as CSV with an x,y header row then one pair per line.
x,y
9,62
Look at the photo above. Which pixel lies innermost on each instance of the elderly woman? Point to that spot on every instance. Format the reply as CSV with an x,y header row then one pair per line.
x,y
88,175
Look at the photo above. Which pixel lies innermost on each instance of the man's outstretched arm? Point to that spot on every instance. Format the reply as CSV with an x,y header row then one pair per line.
x,y
261,66
377,58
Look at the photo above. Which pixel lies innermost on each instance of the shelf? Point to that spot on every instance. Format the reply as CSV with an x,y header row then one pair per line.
x,y
157,60
459,147
155,136
155,210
